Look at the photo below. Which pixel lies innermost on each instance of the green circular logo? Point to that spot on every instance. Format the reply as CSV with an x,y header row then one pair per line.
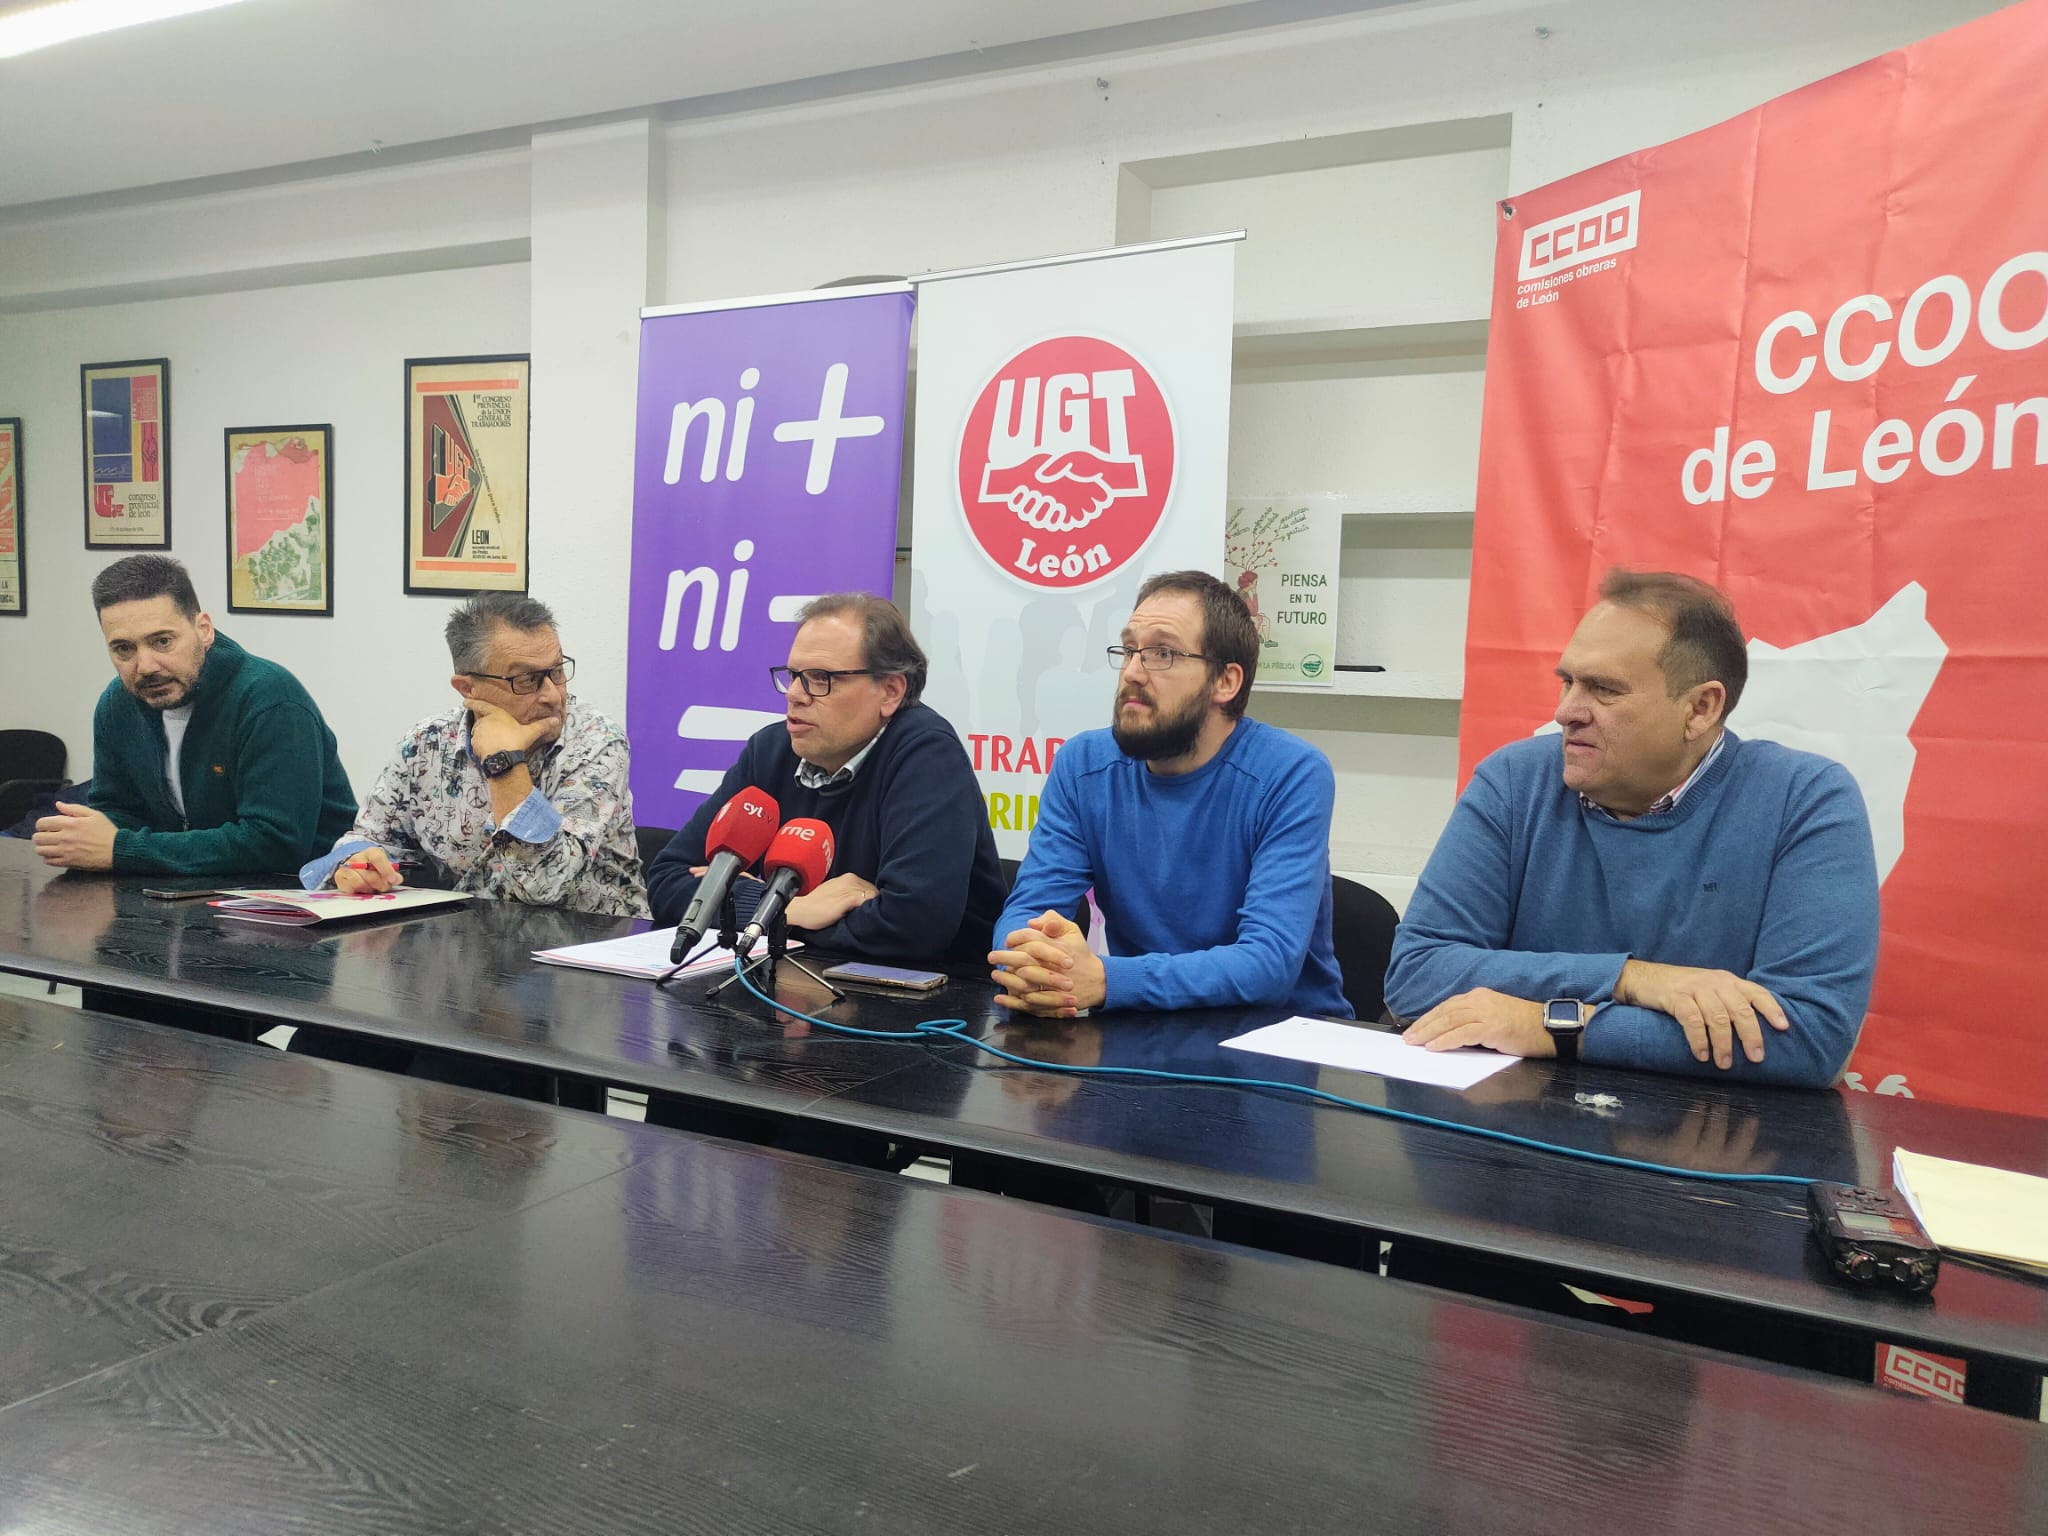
x,y
1312,666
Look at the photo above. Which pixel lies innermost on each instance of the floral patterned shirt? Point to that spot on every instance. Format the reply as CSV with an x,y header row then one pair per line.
x,y
569,844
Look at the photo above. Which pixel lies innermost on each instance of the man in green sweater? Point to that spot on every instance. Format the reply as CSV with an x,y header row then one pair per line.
x,y
206,760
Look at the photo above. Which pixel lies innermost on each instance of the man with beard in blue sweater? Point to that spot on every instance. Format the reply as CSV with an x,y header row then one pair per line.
x,y
1205,836
1648,890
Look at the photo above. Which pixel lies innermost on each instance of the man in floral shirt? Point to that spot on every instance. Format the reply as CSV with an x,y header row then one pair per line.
x,y
518,793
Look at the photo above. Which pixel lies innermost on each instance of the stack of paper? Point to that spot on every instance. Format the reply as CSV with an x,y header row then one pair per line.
x,y
1358,1049
643,954
1990,1212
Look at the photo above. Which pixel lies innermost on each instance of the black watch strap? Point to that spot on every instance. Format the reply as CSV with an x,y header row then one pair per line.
x,y
1564,1019
498,764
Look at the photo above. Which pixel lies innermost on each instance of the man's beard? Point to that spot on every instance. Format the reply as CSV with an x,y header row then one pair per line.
x,y
167,698
1167,737
178,694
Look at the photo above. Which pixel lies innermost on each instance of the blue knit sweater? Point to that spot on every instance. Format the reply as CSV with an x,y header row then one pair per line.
x,y
1214,885
1764,868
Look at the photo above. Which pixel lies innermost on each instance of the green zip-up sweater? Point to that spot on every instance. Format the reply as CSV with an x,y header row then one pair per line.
x,y
264,787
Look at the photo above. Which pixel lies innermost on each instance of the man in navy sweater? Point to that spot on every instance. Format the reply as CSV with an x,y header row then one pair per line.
x,y
916,872
1649,891
1206,836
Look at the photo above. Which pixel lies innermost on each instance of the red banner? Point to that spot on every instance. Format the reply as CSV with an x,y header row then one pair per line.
x,y
1804,355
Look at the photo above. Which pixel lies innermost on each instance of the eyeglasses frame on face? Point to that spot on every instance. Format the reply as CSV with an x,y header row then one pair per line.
x,y
786,678
560,674
1122,654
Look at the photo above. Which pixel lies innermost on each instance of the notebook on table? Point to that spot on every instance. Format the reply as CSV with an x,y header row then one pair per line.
x,y
302,909
1990,1213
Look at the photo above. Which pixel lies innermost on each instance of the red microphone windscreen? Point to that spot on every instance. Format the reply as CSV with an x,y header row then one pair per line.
x,y
805,846
744,826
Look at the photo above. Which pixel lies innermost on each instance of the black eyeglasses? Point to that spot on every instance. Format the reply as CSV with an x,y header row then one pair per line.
x,y
529,682
817,681
1154,658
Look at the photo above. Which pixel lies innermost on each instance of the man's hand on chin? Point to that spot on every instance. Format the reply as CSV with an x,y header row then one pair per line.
x,y
1046,968
1511,1025
492,729
77,837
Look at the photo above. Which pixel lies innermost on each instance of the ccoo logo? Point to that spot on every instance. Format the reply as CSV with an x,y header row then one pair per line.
x,y
1066,462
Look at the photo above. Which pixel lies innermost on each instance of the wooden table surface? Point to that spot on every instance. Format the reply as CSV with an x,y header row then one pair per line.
x,y
464,981
245,1292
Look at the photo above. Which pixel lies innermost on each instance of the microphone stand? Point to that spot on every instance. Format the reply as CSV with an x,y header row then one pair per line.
x,y
728,936
778,950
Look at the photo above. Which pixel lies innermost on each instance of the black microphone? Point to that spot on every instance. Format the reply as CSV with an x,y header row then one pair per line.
x,y
739,834
797,860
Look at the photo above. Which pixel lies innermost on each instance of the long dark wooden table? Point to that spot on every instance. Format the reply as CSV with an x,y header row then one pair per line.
x,y
1738,1251
247,1292
462,983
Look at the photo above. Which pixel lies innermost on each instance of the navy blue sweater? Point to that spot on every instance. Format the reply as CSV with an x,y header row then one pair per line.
x,y
1764,869
912,823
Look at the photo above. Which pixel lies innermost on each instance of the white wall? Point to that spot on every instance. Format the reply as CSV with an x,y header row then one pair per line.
x,y
297,301
335,354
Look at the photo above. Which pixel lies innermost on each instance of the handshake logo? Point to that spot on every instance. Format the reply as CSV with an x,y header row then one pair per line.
x,y
1066,462
1063,492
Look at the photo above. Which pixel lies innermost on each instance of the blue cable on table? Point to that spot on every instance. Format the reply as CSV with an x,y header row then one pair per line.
x,y
932,1030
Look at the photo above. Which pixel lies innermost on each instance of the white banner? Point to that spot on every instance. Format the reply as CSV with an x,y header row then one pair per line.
x,y
1073,427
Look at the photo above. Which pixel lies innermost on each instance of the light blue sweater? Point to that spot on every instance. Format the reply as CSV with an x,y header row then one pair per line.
x,y
1214,885
1764,868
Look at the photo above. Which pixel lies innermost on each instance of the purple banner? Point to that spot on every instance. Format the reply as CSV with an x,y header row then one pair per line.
x,y
767,469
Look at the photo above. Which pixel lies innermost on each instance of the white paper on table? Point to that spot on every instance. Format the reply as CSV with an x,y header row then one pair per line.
x,y
644,954
1329,1044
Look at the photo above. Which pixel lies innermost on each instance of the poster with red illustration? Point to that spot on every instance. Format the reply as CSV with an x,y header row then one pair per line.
x,y
13,524
1804,355
466,432
1073,418
280,483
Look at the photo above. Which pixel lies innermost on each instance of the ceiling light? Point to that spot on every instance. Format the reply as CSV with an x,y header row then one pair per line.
x,y
61,21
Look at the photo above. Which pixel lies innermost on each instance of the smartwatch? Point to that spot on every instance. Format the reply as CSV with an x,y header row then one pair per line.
x,y
1566,1026
498,764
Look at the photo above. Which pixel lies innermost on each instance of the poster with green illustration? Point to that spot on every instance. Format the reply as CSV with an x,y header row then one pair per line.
x,y
280,484
1281,553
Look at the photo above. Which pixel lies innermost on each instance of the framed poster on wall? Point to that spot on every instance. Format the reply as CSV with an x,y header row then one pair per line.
x,y
466,437
280,491
13,522
126,419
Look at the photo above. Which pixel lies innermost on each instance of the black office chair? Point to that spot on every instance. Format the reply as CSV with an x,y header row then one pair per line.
x,y
1080,912
652,840
31,762
1363,923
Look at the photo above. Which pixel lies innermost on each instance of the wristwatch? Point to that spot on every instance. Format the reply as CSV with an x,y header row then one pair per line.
x,y
1564,1020
498,764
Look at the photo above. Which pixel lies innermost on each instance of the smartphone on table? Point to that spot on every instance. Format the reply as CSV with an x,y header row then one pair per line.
x,y
886,976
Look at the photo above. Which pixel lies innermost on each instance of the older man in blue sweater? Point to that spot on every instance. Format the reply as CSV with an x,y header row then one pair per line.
x,y
1206,836
1649,890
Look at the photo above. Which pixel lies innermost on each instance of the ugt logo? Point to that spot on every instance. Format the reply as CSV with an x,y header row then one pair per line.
x,y
1066,462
